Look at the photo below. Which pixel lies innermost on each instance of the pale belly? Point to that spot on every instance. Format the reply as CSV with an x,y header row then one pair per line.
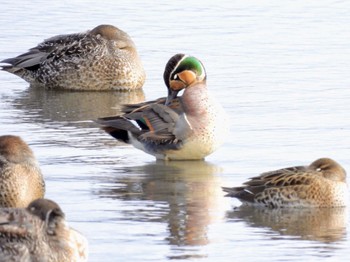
x,y
195,149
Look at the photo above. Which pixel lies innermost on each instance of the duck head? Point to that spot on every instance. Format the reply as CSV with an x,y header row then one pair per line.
x,y
182,71
48,211
329,168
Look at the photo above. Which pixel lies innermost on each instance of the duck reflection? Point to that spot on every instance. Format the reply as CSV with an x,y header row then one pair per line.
x,y
186,195
66,108
319,224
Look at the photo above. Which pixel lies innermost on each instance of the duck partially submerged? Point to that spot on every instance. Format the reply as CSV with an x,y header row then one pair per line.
x,y
321,184
39,233
104,58
21,180
187,127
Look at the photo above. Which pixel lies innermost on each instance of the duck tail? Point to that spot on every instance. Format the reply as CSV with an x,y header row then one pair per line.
x,y
118,127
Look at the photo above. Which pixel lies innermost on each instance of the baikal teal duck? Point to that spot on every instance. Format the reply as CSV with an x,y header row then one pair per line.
x,y
104,58
321,184
39,233
186,127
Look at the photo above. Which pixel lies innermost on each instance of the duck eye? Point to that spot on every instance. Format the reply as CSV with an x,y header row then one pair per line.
x,y
175,76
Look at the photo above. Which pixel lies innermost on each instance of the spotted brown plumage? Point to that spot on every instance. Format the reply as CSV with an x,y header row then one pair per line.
x,y
39,233
104,58
21,180
321,184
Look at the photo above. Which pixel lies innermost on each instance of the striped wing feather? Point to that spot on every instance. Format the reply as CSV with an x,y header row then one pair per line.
x,y
155,120
271,183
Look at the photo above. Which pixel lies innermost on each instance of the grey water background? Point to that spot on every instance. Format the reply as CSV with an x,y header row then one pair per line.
x,y
280,69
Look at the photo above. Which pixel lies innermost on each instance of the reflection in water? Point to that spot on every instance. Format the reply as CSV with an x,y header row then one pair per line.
x,y
319,224
190,190
59,114
64,106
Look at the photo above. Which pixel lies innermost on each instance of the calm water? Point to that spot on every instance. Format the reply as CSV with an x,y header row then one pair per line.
x,y
281,70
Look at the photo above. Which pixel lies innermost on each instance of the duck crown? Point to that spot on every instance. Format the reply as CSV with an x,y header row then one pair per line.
x,y
180,63
14,149
112,33
330,168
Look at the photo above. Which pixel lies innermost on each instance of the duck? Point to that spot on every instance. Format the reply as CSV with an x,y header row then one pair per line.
x,y
39,232
21,179
186,127
320,184
104,58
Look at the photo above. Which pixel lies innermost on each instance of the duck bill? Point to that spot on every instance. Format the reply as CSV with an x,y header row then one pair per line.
x,y
172,94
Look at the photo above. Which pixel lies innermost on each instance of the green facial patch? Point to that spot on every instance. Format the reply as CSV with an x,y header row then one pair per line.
x,y
190,63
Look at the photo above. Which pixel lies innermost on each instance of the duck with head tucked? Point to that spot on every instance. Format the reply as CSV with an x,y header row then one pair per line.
x,y
39,233
21,180
187,127
321,184
104,58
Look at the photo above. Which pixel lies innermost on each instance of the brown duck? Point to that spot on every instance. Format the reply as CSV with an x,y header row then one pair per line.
x,y
39,233
21,180
104,58
321,184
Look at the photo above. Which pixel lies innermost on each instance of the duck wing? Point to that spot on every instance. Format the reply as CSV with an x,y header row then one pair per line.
x,y
152,122
52,48
15,222
290,179
11,252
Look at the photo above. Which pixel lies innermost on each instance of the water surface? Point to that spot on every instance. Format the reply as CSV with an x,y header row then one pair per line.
x,y
281,70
